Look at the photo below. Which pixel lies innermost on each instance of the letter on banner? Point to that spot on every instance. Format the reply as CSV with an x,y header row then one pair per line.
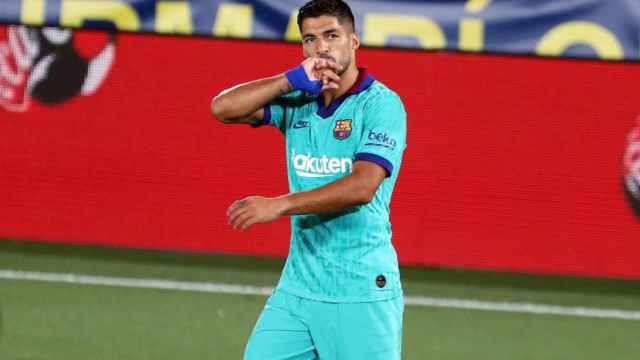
x,y
233,20
74,12
561,37
378,27
471,31
293,32
32,12
173,17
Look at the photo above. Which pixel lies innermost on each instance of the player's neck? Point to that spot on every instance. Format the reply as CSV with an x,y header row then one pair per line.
x,y
348,79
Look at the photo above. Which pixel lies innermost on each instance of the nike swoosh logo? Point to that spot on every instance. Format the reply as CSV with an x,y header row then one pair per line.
x,y
300,126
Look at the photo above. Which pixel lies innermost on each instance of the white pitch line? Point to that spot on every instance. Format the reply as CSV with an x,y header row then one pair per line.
x,y
523,308
136,282
235,289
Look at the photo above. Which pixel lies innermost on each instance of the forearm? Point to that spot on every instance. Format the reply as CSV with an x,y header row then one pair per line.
x,y
340,195
243,100
352,190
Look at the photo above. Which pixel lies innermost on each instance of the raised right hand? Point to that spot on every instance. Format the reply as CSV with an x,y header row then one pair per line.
x,y
315,75
324,70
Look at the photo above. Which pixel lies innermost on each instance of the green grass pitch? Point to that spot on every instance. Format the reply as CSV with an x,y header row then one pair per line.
x,y
41,320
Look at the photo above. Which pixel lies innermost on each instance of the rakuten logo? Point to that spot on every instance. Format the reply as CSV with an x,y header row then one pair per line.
x,y
315,167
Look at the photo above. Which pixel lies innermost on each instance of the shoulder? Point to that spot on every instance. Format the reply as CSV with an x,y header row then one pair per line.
x,y
379,95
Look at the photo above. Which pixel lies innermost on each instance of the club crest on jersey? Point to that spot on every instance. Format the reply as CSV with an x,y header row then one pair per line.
x,y
342,130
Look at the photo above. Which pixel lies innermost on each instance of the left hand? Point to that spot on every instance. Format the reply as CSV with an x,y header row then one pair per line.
x,y
254,210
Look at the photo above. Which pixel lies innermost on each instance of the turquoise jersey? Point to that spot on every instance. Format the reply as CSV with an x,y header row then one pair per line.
x,y
345,256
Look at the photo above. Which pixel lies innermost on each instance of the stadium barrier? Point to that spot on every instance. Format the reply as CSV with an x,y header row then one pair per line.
x,y
513,163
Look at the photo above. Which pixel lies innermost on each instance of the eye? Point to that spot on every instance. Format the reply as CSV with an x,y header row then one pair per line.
x,y
333,36
308,40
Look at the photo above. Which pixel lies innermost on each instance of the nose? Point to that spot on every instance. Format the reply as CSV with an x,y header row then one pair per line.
x,y
322,46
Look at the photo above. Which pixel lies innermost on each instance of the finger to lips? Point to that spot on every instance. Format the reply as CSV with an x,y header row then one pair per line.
x,y
324,63
330,84
334,65
331,75
320,64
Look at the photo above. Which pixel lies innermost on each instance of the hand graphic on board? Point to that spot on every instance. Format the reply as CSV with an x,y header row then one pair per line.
x,y
17,52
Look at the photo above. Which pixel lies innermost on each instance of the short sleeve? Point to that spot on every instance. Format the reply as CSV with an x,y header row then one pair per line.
x,y
273,115
277,111
385,131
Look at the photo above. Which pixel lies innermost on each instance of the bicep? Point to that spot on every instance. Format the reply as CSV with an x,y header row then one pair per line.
x,y
369,175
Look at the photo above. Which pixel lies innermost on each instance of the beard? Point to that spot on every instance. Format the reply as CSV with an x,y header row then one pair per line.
x,y
345,63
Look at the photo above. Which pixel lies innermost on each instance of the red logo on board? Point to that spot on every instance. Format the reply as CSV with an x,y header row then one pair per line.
x,y
51,65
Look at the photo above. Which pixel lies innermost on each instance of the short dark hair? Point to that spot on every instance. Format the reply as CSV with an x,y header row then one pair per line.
x,y
335,8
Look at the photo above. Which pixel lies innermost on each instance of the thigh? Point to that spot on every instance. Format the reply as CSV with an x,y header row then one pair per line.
x,y
279,335
371,330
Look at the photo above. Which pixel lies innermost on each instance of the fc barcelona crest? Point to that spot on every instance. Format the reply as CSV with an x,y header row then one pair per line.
x,y
342,129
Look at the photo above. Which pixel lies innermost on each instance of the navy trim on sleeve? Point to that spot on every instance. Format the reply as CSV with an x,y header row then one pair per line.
x,y
266,120
376,159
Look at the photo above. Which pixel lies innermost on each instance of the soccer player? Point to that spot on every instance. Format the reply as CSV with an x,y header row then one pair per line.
x,y
339,295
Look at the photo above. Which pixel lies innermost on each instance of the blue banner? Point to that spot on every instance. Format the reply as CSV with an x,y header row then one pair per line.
x,y
600,29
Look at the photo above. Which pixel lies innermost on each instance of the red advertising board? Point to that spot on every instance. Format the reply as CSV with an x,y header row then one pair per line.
x,y
513,163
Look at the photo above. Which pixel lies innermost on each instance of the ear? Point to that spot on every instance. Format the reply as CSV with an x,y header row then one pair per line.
x,y
355,40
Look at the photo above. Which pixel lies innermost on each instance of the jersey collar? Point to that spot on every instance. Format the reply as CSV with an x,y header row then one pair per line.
x,y
363,82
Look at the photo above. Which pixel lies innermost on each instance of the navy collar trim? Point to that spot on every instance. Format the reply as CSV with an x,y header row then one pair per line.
x,y
364,81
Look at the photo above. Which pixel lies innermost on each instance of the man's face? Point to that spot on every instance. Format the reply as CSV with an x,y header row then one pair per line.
x,y
325,37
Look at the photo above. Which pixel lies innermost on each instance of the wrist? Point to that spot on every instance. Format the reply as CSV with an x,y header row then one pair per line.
x,y
283,205
299,80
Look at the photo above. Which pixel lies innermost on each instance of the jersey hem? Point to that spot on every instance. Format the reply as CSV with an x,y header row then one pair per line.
x,y
380,295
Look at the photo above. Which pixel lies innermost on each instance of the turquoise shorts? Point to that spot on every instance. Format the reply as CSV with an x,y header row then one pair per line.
x,y
291,327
